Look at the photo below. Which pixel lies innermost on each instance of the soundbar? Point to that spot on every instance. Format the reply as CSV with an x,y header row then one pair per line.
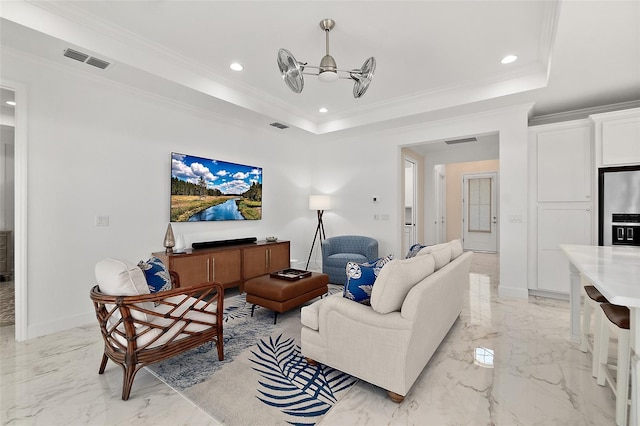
x,y
219,243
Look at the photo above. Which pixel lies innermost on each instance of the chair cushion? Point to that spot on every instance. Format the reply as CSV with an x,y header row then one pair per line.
x,y
117,277
396,279
154,337
441,254
361,277
156,274
341,259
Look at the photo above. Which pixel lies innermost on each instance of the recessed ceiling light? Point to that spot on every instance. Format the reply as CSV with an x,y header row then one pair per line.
x,y
323,110
236,66
508,59
12,103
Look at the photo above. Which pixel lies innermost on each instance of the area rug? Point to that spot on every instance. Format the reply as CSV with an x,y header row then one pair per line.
x,y
263,379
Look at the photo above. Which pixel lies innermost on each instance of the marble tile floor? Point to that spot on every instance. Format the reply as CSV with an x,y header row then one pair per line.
x,y
505,362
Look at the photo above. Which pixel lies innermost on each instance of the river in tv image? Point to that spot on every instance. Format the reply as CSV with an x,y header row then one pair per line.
x,y
225,211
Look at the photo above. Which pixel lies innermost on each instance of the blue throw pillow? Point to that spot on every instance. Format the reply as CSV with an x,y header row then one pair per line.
x,y
413,250
157,275
361,277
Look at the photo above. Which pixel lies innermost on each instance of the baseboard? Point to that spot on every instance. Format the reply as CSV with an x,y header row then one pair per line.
x,y
514,292
42,329
549,294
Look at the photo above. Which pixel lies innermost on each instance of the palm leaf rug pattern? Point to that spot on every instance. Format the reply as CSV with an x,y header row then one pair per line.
x,y
289,383
283,380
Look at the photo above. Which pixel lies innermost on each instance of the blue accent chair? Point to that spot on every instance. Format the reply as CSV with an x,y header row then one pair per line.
x,y
337,251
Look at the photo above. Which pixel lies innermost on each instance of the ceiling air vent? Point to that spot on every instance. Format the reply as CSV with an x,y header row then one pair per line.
x,y
97,63
83,57
279,125
463,140
74,54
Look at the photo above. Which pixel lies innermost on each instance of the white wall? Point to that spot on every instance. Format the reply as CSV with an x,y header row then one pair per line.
x,y
96,148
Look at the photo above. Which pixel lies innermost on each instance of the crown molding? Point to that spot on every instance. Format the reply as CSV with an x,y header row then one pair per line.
x,y
581,113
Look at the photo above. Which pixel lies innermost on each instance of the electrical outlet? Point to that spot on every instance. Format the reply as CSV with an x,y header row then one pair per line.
x,y
102,220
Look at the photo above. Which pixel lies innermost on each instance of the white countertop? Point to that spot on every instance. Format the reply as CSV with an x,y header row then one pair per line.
x,y
614,270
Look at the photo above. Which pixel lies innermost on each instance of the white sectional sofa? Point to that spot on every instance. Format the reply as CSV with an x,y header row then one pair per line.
x,y
414,303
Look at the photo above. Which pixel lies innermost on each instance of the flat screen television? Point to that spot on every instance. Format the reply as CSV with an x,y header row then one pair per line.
x,y
209,190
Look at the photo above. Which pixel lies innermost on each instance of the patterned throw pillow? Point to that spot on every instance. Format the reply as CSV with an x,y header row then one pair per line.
x,y
361,277
413,250
157,275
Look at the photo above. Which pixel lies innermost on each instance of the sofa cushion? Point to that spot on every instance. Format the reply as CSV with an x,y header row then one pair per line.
x,y
396,279
413,250
456,248
156,274
441,254
361,277
117,277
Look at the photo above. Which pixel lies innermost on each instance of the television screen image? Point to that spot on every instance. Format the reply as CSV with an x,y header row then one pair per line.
x,y
209,190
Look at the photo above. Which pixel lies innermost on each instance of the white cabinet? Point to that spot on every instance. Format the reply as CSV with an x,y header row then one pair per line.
x,y
559,224
560,201
617,136
564,164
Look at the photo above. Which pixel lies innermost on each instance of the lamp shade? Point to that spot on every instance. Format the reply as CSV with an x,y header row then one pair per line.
x,y
319,202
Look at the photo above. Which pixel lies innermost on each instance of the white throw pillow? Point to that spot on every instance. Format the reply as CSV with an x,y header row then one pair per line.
x,y
395,280
441,254
429,249
456,248
117,277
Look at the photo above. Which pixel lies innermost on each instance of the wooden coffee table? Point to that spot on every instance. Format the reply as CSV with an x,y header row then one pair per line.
x,y
281,295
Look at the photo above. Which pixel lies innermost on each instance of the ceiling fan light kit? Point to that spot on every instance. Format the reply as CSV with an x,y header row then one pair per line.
x,y
292,70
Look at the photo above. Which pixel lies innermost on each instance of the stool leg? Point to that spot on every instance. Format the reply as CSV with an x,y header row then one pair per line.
x,y
595,363
586,325
252,309
603,350
622,377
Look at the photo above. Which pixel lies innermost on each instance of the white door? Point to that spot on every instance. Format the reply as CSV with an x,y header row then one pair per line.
x,y
479,212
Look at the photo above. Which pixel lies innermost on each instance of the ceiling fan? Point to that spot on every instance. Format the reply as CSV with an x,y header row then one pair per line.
x,y
292,70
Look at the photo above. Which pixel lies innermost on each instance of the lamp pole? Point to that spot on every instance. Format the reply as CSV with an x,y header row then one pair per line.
x,y
320,231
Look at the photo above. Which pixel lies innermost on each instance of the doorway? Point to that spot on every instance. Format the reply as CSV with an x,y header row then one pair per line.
x,y
7,222
479,212
410,233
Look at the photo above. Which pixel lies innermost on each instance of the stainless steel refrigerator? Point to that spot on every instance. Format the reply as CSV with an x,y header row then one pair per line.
x,y
619,210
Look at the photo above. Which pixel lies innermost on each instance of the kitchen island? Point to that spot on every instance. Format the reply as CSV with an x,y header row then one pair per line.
x,y
615,272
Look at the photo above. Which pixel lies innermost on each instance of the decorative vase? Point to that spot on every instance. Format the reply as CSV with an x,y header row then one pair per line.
x,y
180,245
169,240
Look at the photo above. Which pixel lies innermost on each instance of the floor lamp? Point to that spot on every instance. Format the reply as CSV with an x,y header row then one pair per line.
x,y
319,203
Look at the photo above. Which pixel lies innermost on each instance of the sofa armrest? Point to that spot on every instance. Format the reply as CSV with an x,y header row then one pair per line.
x,y
360,313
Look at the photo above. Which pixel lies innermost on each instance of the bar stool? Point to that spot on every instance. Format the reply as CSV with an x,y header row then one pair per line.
x,y
616,318
592,300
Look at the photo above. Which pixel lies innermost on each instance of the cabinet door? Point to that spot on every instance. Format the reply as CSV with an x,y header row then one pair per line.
x,y
255,261
278,257
226,266
564,165
559,225
621,141
192,269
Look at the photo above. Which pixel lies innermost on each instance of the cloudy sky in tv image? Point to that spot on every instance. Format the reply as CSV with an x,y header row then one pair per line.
x,y
229,178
